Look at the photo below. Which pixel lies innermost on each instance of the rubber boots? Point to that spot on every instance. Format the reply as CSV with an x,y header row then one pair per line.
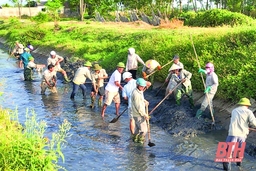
x,y
100,102
191,102
226,166
199,113
92,101
66,79
178,102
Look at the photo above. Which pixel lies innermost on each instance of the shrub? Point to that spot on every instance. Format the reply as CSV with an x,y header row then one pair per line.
x,y
216,17
42,17
25,147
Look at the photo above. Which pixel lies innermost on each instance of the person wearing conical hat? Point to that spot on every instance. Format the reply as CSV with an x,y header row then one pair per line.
x,y
79,79
176,60
112,89
149,67
180,75
98,75
241,118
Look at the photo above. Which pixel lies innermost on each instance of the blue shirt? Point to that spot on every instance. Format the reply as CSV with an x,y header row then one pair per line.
x,y
24,57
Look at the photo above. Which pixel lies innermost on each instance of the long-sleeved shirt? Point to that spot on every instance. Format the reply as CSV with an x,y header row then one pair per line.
x,y
138,104
81,74
176,79
132,62
212,80
241,118
170,73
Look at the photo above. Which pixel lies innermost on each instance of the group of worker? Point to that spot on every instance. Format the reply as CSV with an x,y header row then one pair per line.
x,y
178,80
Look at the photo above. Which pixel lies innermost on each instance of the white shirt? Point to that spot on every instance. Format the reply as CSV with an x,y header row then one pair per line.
x,y
53,61
47,75
111,86
81,74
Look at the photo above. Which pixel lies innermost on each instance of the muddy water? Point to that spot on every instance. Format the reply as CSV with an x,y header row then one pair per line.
x,y
95,144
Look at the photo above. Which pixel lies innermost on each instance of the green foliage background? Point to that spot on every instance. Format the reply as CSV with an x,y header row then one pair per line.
x,y
231,49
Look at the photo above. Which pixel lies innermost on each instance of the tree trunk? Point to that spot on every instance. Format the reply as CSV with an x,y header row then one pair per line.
x,y
82,10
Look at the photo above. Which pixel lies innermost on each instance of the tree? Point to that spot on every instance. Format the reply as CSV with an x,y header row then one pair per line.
x,y
19,4
53,8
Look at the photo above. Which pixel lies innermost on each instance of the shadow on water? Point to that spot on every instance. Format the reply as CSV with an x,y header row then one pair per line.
x,y
96,144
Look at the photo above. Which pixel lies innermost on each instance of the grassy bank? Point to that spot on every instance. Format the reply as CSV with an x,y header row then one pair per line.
x,y
231,49
25,147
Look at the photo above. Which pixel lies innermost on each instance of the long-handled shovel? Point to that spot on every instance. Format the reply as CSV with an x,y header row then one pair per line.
x,y
160,88
150,144
170,92
157,70
116,118
213,120
252,129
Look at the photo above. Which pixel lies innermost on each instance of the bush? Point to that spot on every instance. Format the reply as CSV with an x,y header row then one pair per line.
x,y
25,147
42,17
216,17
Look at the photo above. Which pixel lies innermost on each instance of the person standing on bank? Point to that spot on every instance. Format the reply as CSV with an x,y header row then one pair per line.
x,y
79,79
176,60
98,76
126,93
241,118
211,88
112,89
49,80
132,62
55,60
138,111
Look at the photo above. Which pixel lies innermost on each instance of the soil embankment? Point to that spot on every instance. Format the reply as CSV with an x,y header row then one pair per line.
x,y
176,120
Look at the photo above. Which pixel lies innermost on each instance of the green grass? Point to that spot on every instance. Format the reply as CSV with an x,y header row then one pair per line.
x,y
25,147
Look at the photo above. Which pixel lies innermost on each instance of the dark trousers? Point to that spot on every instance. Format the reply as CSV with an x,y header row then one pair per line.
x,y
133,72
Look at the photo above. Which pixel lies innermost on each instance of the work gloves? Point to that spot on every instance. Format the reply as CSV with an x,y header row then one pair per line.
x,y
202,71
208,89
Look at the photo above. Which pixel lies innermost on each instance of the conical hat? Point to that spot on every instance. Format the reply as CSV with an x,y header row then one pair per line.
x,y
174,67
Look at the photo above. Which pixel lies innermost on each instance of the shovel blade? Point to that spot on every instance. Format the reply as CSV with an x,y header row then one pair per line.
x,y
150,144
114,120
